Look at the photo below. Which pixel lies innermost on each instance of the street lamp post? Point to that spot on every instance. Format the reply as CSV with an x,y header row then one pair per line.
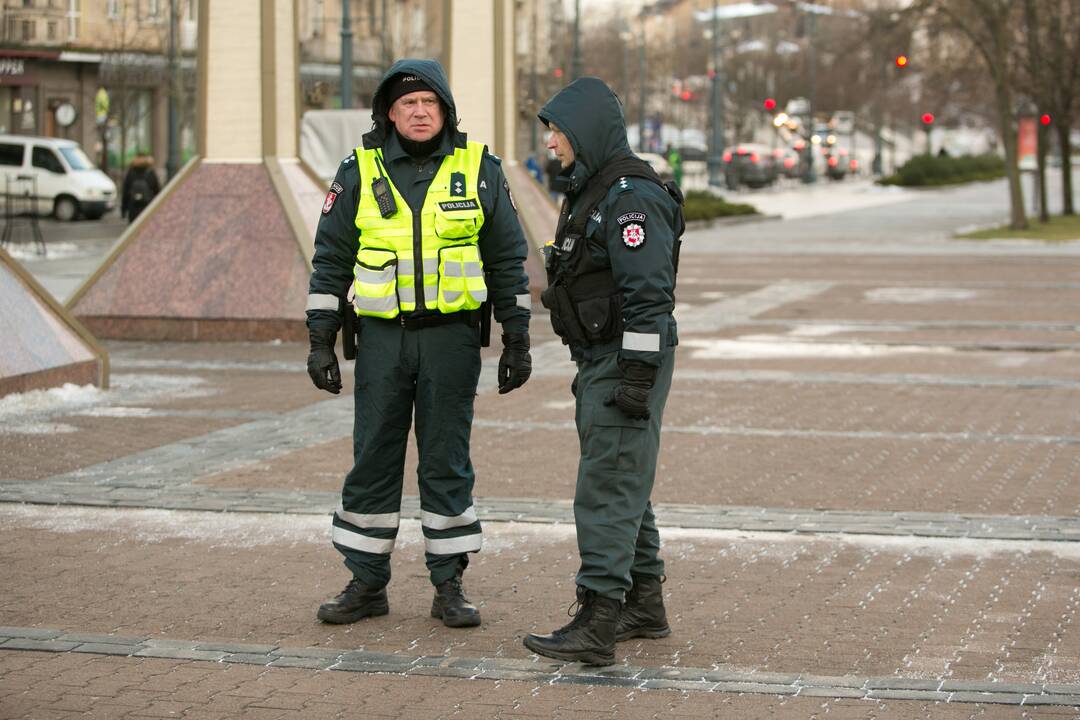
x,y
532,85
644,97
346,56
808,171
716,106
172,161
575,66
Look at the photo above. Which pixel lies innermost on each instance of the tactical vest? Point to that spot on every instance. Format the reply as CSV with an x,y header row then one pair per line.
x,y
584,301
420,260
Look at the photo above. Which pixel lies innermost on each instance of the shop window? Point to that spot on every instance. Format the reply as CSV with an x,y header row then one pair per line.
x,y
46,159
11,154
138,122
23,116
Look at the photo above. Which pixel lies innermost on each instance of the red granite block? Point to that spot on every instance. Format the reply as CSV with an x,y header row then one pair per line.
x,y
217,257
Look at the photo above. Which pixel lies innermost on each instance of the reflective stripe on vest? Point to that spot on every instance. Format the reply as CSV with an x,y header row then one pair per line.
x,y
451,273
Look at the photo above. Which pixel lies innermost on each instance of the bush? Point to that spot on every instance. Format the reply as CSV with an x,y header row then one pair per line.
x,y
701,205
928,170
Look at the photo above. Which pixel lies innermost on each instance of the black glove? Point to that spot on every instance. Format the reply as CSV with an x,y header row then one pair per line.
x,y
631,395
515,364
322,363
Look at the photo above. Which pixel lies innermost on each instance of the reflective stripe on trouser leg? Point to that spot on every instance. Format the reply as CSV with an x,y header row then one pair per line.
x,y
615,479
366,527
447,375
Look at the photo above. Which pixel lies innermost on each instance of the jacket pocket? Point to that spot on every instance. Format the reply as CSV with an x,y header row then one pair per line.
x,y
600,318
457,225
461,278
375,283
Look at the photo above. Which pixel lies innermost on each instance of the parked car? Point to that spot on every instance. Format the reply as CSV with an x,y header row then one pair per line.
x,y
787,160
749,164
837,162
64,180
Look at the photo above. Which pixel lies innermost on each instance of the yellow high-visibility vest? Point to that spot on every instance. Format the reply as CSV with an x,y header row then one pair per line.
x,y
436,253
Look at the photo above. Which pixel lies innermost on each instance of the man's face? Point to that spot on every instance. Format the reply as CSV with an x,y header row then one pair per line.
x,y
418,115
560,145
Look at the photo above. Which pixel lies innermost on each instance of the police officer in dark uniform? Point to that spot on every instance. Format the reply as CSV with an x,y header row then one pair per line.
x,y
418,237
611,274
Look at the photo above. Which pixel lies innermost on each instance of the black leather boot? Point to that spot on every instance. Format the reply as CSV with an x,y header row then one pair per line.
x,y
355,602
451,605
643,615
589,638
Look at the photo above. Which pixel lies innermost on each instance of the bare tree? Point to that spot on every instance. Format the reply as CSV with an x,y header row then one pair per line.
x,y
988,26
1051,65
130,71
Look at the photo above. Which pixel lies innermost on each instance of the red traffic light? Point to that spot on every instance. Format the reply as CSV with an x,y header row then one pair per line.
x,y
770,104
928,118
686,95
558,72
1045,119
901,61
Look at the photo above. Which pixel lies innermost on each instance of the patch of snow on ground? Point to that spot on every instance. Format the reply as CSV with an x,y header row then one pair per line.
x,y
29,413
778,346
53,251
918,295
221,529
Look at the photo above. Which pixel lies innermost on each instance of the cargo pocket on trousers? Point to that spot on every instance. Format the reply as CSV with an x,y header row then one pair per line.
x,y
611,438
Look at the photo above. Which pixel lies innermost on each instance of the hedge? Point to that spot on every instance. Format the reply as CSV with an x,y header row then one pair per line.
x,y
702,205
924,170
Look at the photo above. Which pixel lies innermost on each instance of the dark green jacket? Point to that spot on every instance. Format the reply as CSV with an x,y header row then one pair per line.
x,y
503,247
591,117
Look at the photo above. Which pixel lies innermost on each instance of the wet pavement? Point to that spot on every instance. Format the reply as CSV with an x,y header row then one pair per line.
x,y
868,493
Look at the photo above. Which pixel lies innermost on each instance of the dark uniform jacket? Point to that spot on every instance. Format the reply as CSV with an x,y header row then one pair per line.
x,y
502,244
633,228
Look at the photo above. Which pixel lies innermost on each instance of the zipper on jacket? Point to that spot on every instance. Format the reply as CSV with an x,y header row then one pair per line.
x,y
418,259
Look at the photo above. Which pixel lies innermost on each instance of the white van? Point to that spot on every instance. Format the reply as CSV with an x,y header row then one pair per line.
x,y
66,182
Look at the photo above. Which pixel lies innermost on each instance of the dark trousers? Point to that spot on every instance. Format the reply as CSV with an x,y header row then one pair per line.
x,y
616,529
435,371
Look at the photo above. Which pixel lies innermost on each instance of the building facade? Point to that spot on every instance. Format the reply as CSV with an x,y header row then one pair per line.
x,y
96,71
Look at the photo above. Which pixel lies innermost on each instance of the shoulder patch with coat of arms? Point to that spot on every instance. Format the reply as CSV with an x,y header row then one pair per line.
x,y
632,225
331,196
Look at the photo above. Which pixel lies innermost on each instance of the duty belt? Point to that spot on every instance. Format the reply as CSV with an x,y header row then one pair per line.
x,y
418,322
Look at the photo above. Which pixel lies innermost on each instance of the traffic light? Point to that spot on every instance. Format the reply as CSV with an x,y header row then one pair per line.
x,y
558,72
901,61
1044,119
928,119
770,104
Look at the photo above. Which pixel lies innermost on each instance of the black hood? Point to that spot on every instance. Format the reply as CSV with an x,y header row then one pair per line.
x,y
431,72
591,116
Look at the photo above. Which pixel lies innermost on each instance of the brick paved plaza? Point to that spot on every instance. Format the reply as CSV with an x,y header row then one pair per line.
x,y
869,494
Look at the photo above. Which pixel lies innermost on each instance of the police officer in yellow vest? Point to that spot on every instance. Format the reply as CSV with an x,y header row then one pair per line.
x,y
417,231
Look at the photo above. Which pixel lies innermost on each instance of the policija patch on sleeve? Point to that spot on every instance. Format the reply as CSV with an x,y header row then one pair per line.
x,y
331,196
632,225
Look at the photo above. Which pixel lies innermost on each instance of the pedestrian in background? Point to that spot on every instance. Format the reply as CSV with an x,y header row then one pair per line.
x,y
141,186
611,275
417,231
674,159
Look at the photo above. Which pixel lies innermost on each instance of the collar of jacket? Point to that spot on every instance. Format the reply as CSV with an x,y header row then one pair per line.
x,y
394,151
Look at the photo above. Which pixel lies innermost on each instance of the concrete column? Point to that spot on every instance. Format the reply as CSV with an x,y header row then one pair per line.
x,y
482,71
